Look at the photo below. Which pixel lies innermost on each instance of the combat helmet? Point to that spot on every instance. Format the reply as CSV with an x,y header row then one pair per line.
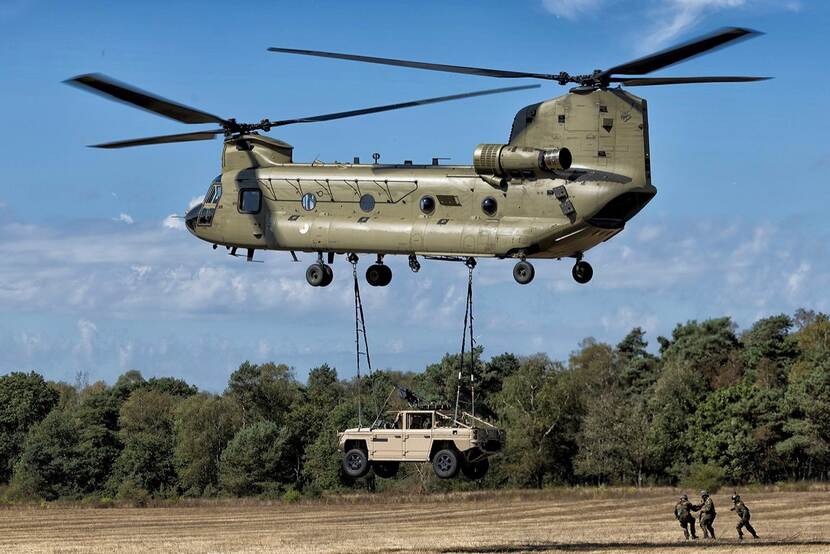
x,y
684,497
704,493
736,497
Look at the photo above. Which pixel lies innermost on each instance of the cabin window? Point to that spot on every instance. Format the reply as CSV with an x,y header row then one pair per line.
x,y
419,421
250,201
309,201
427,204
489,206
367,202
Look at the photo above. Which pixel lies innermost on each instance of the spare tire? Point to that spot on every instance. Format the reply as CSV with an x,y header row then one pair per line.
x,y
475,470
356,463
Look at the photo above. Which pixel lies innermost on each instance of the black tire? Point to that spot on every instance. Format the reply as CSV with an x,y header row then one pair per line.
x,y
378,275
582,272
315,275
356,463
476,470
329,277
523,272
445,464
386,470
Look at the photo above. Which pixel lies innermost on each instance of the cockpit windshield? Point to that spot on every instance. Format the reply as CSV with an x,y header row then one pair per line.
x,y
214,192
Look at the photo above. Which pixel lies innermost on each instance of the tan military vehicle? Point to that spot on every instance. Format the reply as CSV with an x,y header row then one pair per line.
x,y
450,444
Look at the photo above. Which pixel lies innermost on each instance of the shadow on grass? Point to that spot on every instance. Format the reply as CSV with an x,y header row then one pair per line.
x,y
656,546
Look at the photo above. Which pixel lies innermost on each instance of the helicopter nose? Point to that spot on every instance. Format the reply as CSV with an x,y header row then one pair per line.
x,y
190,218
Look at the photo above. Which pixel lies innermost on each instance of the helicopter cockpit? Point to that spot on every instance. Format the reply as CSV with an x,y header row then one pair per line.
x,y
202,214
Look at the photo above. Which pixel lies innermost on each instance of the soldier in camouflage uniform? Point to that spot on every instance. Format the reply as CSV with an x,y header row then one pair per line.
x,y
743,512
683,514
707,515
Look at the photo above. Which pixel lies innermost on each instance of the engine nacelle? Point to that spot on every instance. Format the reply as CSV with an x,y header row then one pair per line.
x,y
505,160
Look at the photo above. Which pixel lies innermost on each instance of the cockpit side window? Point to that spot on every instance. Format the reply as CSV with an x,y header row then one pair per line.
x,y
250,201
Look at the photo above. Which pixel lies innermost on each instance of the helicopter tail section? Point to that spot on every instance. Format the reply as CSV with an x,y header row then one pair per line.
x,y
605,130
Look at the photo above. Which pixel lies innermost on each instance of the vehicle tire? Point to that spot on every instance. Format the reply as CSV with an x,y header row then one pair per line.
x,y
356,463
386,275
523,272
445,464
582,272
329,277
375,275
386,470
475,470
315,275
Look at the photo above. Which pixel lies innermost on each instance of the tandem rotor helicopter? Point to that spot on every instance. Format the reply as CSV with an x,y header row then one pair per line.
x,y
575,169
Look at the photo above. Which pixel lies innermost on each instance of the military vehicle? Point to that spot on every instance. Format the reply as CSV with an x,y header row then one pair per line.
x,y
450,444
573,172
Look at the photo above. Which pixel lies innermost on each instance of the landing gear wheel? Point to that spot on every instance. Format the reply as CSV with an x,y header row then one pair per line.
x,y
355,463
477,470
386,470
523,272
582,272
329,277
445,463
316,275
378,275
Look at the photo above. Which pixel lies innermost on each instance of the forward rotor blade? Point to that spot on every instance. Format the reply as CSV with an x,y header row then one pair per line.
x,y
115,90
162,139
649,81
418,65
681,52
401,105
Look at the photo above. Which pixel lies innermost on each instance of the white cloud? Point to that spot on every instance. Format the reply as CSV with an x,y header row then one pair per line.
x,y
124,218
571,9
86,338
676,17
173,221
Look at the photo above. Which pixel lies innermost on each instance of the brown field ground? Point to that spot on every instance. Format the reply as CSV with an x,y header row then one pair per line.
x,y
571,520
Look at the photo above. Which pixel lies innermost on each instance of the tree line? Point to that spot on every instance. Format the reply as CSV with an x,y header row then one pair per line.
x,y
712,406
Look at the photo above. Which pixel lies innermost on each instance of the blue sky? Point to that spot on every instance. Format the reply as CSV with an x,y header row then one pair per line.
x,y
95,276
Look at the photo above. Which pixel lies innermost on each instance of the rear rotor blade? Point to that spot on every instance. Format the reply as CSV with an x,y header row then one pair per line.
x,y
106,86
419,65
649,81
162,139
681,52
401,105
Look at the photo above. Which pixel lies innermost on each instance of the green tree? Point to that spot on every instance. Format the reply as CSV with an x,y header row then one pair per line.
x,y
146,430
203,426
639,368
25,399
706,347
769,350
255,460
263,391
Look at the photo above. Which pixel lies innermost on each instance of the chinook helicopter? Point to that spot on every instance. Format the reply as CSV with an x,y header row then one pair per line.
x,y
574,171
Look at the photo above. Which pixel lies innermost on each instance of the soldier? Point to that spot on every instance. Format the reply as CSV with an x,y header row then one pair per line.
x,y
707,515
743,512
683,514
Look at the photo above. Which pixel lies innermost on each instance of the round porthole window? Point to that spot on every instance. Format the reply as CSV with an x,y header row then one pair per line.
x,y
489,206
309,201
427,204
367,202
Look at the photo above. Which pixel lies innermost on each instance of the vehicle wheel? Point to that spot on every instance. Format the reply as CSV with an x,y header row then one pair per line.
x,y
356,463
315,275
582,272
376,274
329,277
386,470
476,470
445,464
523,272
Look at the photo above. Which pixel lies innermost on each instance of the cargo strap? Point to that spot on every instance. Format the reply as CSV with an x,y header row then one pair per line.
x,y
467,331
359,329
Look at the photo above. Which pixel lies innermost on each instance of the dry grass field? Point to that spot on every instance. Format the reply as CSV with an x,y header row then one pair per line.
x,y
589,520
